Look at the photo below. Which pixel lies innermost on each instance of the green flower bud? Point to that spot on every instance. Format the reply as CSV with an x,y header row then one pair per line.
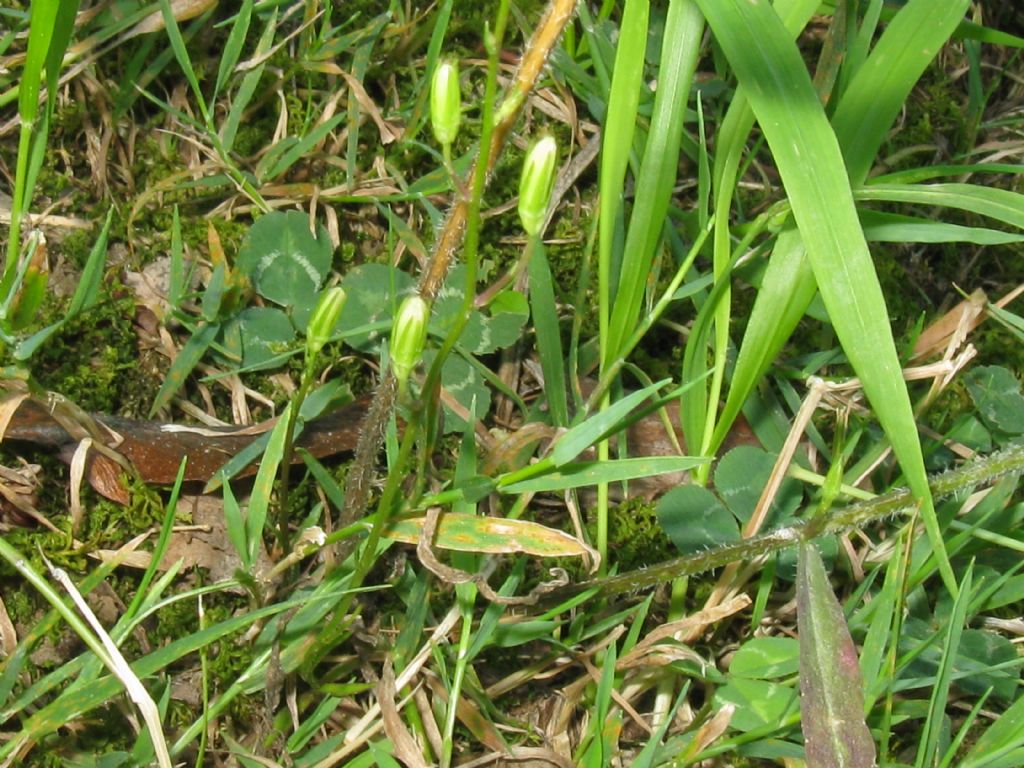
x,y
325,317
445,102
535,184
408,336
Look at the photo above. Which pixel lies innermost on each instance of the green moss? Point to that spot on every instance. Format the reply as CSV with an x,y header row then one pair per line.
x,y
94,359
635,538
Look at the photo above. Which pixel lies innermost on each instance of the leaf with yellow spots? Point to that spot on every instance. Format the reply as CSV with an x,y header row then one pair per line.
x,y
490,535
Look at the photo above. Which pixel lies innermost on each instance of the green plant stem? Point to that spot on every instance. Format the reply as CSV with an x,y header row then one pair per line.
x,y
983,471
288,452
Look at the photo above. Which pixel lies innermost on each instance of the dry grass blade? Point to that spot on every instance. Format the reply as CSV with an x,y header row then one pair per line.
x,y
121,669
404,745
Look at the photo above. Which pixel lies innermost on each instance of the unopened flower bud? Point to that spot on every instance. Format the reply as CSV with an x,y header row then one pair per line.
x,y
408,336
535,184
445,102
325,317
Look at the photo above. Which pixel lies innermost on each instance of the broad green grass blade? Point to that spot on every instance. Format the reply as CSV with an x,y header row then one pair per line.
x,y
683,29
863,117
999,204
731,145
880,88
770,67
616,143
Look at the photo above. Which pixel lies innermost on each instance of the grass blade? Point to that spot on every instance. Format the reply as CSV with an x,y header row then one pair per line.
x,y
233,47
616,143
769,65
684,27
880,88
940,692
187,359
549,342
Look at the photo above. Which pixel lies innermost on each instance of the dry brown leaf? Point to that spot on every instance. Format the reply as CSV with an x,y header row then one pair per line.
x,y
183,10
8,405
952,328
703,618
404,745
8,634
388,132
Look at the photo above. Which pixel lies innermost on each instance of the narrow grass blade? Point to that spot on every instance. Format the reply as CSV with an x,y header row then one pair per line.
x,y
684,26
831,697
940,691
181,55
92,274
616,144
786,291
589,431
1001,743
299,148
548,332
234,522
810,163
999,204
233,47
583,473
187,359
263,486
895,228
247,88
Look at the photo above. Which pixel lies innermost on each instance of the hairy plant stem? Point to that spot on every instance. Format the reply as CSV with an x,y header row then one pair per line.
x,y
981,472
547,33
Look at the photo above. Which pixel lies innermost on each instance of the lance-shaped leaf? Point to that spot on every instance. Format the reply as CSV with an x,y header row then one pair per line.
x,y
831,699
490,535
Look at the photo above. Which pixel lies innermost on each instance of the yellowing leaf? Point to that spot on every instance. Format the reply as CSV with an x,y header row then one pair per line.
x,y
490,535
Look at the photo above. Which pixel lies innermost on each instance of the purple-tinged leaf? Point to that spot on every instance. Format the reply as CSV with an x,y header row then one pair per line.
x,y
831,698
